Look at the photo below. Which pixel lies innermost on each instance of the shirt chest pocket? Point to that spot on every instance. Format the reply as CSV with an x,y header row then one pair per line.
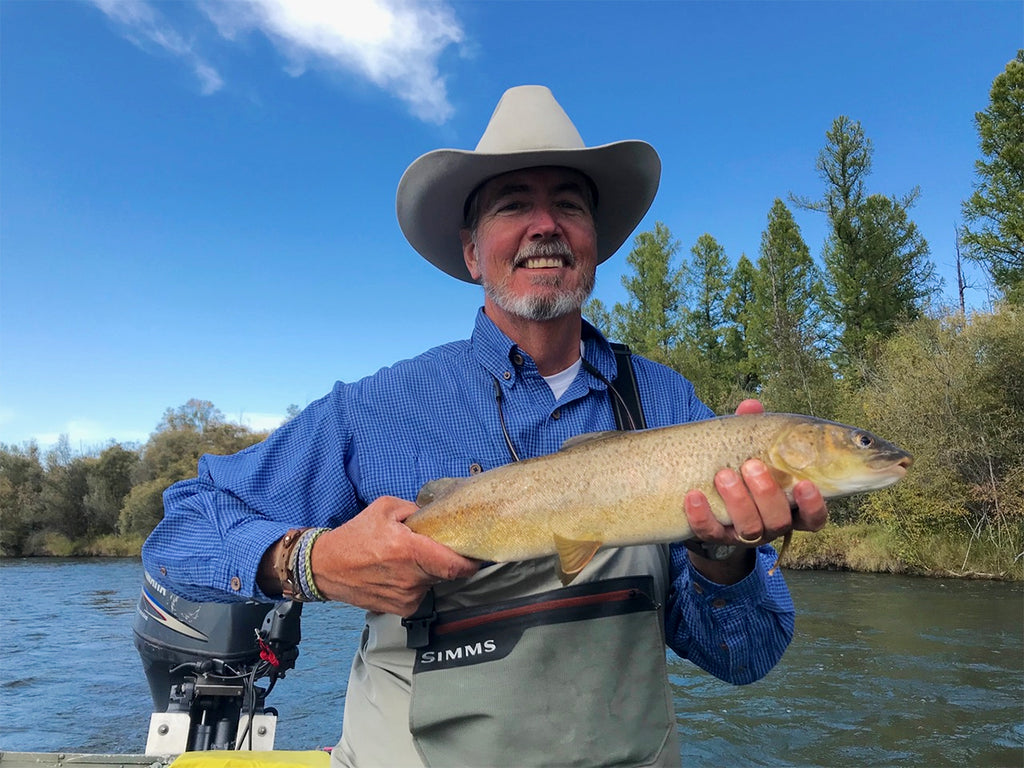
x,y
402,473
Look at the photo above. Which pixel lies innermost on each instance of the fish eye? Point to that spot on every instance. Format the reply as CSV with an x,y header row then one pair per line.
x,y
863,439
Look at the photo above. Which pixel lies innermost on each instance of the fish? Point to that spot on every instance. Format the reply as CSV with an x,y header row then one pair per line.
x,y
621,488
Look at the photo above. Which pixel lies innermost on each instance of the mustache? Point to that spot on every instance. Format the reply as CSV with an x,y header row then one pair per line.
x,y
546,249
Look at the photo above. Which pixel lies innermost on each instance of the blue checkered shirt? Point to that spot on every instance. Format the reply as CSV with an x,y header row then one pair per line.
x,y
436,416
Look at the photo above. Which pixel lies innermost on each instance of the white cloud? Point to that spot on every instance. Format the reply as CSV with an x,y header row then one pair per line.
x,y
85,435
393,44
145,26
260,422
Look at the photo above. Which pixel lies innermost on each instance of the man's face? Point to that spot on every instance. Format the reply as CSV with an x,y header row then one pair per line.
x,y
534,248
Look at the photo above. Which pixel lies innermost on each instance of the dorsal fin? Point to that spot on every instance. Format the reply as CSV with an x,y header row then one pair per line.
x,y
438,489
589,437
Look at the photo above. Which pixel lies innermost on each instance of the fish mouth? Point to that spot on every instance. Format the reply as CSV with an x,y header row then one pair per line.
x,y
895,460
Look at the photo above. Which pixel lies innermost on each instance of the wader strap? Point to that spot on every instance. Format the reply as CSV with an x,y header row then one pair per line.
x,y
626,386
417,626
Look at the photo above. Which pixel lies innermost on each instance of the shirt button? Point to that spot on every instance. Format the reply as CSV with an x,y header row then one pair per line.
x,y
517,359
698,589
557,414
475,469
719,603
506,375
236,583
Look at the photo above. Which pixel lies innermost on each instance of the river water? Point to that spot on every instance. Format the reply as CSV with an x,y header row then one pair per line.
x,y
883,670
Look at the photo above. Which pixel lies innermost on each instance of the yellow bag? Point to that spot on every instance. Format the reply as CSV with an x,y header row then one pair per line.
x,y
242,759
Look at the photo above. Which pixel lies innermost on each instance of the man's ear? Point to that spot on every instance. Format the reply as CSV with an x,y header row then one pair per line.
x,y
469,253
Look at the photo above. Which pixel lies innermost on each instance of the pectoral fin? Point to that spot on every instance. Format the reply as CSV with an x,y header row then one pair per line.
x,y
573,556
438,489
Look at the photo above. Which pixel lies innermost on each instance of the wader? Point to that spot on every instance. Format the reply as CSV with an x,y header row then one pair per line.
x,y
516,670
519,671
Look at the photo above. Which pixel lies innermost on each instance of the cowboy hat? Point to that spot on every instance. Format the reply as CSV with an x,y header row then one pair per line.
x,y
528,129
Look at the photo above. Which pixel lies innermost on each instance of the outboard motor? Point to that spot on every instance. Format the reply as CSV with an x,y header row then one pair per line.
x,y
202,662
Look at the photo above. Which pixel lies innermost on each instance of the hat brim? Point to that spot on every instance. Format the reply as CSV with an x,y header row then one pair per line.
x,y
434,189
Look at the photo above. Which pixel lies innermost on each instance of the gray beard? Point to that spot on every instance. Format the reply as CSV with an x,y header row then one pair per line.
x,y
541,308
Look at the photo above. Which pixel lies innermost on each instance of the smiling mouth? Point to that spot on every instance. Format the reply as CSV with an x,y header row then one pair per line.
x,y
545,255
541,262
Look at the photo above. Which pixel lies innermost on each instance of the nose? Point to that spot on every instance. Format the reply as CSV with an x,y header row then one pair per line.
x,y
543,224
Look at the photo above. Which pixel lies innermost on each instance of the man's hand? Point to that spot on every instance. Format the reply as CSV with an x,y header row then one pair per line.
x,y
758,508
374,561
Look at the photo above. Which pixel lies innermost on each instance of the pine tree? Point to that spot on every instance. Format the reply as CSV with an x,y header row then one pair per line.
x,y
785,331
994,233
649,320
877,271
702,356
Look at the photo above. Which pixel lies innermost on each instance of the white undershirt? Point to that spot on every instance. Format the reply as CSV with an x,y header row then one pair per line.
x,y
559,382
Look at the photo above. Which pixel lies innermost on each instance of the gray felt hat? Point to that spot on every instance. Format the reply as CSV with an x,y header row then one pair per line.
x,y
528,129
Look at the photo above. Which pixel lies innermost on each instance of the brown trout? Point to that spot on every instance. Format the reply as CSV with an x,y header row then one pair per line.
x,y
612,489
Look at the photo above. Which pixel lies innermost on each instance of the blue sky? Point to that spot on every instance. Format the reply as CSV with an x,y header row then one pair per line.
x,y
197,198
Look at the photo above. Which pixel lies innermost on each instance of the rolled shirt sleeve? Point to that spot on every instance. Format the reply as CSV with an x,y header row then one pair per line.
x,y
736,632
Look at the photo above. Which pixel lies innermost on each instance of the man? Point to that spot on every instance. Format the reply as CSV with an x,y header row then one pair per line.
x,y
516,669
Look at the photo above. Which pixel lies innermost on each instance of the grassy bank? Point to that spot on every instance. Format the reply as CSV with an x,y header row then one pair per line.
x,y
874,549
862,548
51,544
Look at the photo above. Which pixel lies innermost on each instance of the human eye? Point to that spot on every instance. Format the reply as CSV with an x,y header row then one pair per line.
x,y
571,205
508,205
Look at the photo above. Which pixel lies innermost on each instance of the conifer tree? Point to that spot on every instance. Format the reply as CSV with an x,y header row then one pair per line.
x,y
649,320
994,214
784,319
877,271
702,356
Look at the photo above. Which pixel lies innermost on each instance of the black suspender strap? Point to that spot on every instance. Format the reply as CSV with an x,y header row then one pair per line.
x,y
628,401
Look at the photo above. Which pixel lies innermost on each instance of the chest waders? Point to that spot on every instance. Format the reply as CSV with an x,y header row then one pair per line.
x,y
509,668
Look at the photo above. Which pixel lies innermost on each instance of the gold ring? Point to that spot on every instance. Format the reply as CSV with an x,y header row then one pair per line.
x,y
745,540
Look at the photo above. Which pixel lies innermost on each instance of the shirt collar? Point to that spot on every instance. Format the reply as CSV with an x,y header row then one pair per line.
x,y
497,353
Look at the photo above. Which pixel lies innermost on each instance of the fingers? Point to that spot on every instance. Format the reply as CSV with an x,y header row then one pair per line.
x,y
757,507
811,512
376,562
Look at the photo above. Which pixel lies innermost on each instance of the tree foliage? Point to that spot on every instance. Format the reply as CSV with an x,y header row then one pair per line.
x,y
994,213
949,390
184,434
62,503
877,270
649,320
785,334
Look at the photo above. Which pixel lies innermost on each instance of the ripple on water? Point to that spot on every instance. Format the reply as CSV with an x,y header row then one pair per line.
x,y
882,671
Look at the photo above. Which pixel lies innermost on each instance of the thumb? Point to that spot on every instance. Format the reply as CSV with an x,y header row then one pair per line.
x,y
439,561
749,406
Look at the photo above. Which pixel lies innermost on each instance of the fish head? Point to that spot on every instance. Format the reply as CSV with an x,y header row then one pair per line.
x,y
839,459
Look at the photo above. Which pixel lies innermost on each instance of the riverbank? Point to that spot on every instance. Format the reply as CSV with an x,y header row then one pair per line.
x,y
865,548
858,548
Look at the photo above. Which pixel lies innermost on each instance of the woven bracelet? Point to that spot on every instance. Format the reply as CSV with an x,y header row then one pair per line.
x,y
305,590
308,583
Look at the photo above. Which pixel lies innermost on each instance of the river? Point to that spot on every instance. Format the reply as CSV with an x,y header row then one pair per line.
x,y
884,670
